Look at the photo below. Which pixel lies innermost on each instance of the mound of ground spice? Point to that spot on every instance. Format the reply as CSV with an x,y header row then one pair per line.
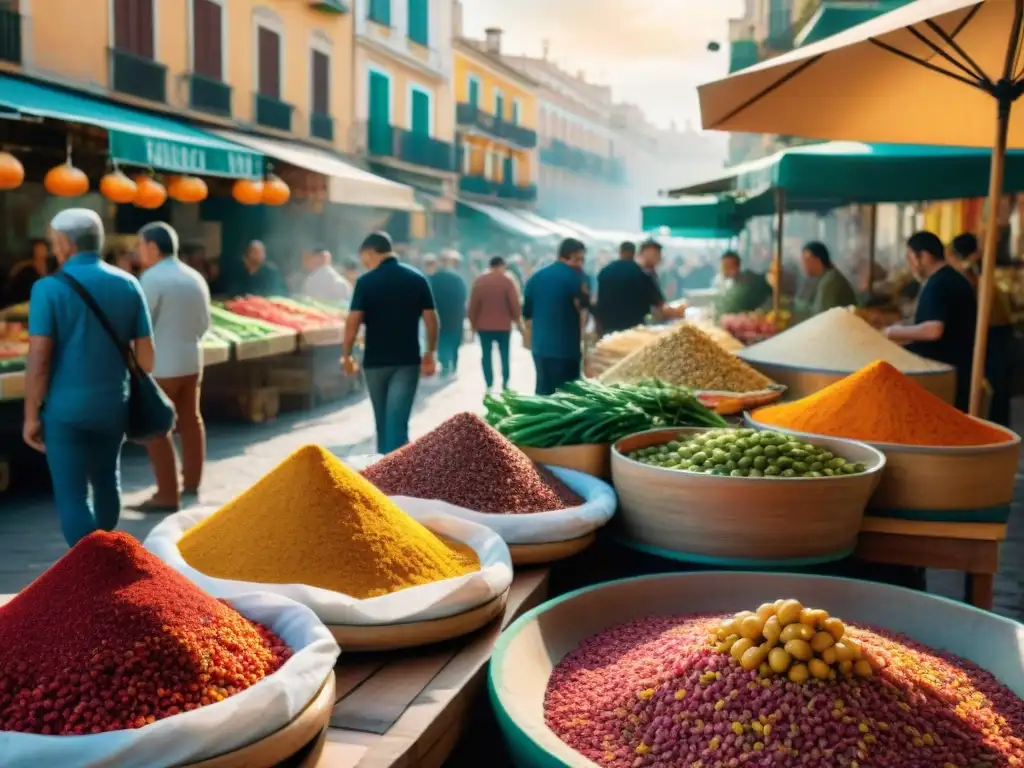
x,y
111,638
468,463
881,405
655,692
314,521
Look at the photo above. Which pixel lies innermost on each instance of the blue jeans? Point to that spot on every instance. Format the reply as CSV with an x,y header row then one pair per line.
x,y
392,390
487,341
448,343
81,459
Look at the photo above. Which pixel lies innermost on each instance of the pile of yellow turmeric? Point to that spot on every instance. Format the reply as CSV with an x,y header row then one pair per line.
x,y
878,404
314,521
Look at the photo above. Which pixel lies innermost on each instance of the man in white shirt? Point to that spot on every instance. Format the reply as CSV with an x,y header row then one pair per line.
x,y
179,303
323,282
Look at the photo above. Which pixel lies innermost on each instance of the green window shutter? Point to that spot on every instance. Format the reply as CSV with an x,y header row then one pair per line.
x,y
379,128
515,113
474,91
420,122
499,106
419,21
380,12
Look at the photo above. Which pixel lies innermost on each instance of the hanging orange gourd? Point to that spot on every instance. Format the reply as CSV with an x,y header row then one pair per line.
x,y
66,181
149,193
117,187
275,191
248,191
12,172
187,189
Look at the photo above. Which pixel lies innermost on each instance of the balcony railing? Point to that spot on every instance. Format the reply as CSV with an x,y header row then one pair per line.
x,y
10,36
562,155
471,116
206,94
273,113
137,76
517,192
386,140
477,185
321,127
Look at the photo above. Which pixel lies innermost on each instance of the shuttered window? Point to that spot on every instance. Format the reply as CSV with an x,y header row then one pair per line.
x,y
380,12
419,21
207,39
321,69
133,27
269,52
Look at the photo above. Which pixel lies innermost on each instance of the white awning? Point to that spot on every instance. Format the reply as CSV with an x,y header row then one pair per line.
x,y
600,235
346,184
553,227
509,221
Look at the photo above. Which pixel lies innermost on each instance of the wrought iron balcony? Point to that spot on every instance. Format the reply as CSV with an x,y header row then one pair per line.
x,y
471,116
419,149
321,127
518,192
206,94
137,76
273,113
10,36
477,185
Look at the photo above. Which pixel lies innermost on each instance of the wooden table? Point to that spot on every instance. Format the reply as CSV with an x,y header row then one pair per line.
x,y
969,547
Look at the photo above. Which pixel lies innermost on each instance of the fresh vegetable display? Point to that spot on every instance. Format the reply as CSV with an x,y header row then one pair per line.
x,y
746,453
750,327
321,308
588,411
276,311
234,328
12,364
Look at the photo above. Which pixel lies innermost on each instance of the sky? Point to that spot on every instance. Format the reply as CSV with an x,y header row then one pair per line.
x,y
652,52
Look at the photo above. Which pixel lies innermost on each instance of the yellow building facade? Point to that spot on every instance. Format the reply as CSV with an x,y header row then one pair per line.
x,y
496,115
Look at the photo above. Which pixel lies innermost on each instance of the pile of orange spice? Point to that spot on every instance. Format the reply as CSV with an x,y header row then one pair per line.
x,y
878,404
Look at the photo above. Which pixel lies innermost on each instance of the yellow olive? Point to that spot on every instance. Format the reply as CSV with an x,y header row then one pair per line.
x,y
799,673
813,617
832,674
764,670
779,660
799,649
829,656
846,668
854,646
751,627
726,645
740,647
834,627
726,628
742,615
822,641
765,610
863,669
789,612
796,632
844,652
818,669
772,630
752,658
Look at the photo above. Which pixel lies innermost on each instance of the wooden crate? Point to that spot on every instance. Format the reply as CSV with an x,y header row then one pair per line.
x,y
254,406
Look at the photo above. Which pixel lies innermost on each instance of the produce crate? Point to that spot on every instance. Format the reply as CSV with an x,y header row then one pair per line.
x,y
214,355
330,335
281,344
309,378
254,406
12,386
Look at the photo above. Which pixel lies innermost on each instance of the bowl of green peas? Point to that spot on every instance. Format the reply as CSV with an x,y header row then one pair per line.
x,y
740,496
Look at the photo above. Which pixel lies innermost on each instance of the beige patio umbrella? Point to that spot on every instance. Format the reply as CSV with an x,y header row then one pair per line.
x,y
943,72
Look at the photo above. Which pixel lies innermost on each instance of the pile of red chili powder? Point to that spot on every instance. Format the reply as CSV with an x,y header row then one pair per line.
x,y
656,692
468,463
110,638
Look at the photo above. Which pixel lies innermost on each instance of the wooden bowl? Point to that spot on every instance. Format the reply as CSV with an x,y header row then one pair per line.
x,y
390,637
592,459
283,743
950,485
742,521
536,554
527,651
801,382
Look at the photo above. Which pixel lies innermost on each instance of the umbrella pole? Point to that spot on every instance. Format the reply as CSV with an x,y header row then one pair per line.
x,y
780,216
988,260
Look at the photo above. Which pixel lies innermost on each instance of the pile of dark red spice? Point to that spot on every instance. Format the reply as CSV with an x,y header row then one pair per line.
x,y
468,463
110,638
655,692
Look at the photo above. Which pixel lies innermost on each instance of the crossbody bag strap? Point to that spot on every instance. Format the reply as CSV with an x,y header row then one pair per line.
x,y
125,349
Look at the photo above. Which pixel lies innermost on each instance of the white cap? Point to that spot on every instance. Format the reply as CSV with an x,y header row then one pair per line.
x,y
83,227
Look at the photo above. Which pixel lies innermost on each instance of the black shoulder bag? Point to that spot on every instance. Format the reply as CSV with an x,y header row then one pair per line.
x,y
150,412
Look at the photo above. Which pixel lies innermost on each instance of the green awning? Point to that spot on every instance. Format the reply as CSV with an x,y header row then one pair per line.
x,y
742,54
504,219
695,217
835,16
136,137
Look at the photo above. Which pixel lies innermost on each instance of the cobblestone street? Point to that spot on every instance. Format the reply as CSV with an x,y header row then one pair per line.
x,y
30,539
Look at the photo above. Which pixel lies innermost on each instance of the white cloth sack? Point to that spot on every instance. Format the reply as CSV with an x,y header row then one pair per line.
x,y
194,736
430,601
599,504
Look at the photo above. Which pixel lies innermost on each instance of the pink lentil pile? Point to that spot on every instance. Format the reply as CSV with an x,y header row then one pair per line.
x,y
468,463
655,692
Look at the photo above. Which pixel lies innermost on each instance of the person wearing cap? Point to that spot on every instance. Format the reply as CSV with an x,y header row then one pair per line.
x,y
450,296
390,299
76,380
555,304
627,293
179,304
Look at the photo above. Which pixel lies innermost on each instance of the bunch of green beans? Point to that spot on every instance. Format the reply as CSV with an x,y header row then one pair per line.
x,y
587,411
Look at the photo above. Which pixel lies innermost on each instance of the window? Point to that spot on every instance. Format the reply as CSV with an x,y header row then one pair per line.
x,y
268,52
514,168
515,111
320,75
133,27
467,159
474,90
419,21
488,164
380,12
419,111
499,104
380,98
208,39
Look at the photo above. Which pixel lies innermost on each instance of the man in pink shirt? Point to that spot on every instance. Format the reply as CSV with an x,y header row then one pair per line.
x,y
493,309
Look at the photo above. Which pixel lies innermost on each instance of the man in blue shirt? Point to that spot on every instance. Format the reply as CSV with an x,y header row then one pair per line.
x,y
76,387
451,296
554,306
390,299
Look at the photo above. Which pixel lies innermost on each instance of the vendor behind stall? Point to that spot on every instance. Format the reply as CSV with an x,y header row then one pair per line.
x,y
25,273
745,290
259,278
832,289
946,313
627,292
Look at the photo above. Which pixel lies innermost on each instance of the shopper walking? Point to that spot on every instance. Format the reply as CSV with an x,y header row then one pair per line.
x,y
390,299
450,295
493,310
179,304
555,309
76,386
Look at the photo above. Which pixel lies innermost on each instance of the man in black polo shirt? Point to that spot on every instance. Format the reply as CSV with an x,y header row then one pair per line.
x,y
626,293
946,313
390,299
